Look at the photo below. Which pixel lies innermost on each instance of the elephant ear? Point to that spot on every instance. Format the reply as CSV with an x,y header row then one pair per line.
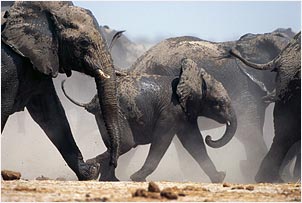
x,y
190,82
29,31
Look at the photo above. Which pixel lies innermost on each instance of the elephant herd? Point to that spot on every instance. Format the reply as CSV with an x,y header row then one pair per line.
x,y
160,95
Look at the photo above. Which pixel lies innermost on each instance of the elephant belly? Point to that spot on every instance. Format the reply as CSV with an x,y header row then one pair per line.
x,y
141,134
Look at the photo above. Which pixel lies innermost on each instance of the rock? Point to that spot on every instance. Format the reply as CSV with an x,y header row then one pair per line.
x,y
249,187
153,187
239,187
226,185
140,193
168,193
10,175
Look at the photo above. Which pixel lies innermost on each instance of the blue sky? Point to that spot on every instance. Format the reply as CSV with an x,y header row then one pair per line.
x,y
215,21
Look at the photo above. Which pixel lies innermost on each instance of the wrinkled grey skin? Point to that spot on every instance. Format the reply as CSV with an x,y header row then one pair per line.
x,y
40,40
155,108
287,110
246,96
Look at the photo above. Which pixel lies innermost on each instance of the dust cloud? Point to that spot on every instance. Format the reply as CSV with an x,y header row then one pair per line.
x,y
25,147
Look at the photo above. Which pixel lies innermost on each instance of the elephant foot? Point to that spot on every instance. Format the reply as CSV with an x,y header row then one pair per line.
x,y
268,178
137,177
219,177
107,178
89,171
92,161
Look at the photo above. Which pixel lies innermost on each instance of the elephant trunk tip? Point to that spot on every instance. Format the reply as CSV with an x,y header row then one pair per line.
x,y
231,127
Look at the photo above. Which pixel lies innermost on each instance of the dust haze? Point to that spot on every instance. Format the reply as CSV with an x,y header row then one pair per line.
x,y
26,148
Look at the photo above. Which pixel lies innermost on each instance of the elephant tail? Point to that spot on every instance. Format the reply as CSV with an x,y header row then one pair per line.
x,y
69,98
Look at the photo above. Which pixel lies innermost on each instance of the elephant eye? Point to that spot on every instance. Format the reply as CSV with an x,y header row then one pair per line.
x,y
84,43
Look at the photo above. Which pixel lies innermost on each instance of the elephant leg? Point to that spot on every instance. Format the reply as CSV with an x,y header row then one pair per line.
x,y
297,168
162,138
107,170
47,111
4,119
290,156
250,134
287,133
192,141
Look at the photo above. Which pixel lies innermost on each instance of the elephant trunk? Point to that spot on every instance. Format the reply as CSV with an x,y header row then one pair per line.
x,y
228,135
266,66
107,93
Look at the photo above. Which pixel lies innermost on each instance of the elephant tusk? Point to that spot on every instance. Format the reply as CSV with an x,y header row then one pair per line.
x,y
228,123
102,74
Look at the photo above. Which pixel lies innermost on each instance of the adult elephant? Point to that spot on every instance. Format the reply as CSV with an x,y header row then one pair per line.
x,y
287,110
40,40
155,108
245,94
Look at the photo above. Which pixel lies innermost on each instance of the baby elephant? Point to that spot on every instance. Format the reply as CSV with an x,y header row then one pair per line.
x,y
154,108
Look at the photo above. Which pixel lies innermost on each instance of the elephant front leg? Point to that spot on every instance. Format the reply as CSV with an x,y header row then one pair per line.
x,y
48,112
161,141
250,134
193,142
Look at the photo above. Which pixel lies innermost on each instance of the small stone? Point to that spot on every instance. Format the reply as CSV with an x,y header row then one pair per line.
x,y
250,187
10,175
181,194
226,185
153,187
140,193
239,187
168,193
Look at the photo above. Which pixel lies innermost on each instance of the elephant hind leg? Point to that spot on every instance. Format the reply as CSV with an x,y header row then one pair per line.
x,y
193,142
162,138
107,170
287,133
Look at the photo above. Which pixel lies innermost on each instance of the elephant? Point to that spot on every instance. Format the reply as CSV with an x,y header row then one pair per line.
x,y
155,108
287,110
294,153
40,40
246,95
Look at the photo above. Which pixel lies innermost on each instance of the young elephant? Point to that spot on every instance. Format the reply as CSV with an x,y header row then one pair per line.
x,y
155,108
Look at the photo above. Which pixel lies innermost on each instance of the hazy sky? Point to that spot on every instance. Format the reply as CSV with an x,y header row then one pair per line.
x,y
216,21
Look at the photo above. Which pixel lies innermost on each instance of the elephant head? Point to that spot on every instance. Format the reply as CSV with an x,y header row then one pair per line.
x,y
201,95
58,37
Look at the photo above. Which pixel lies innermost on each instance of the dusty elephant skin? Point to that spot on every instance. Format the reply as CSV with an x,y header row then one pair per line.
x,y
287,110
246,96
92,191
40,40
155,108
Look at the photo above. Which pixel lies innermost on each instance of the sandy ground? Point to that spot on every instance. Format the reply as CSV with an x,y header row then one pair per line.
x,y
54,190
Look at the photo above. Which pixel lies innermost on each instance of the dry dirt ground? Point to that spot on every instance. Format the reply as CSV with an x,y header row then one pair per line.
x,y
54,190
